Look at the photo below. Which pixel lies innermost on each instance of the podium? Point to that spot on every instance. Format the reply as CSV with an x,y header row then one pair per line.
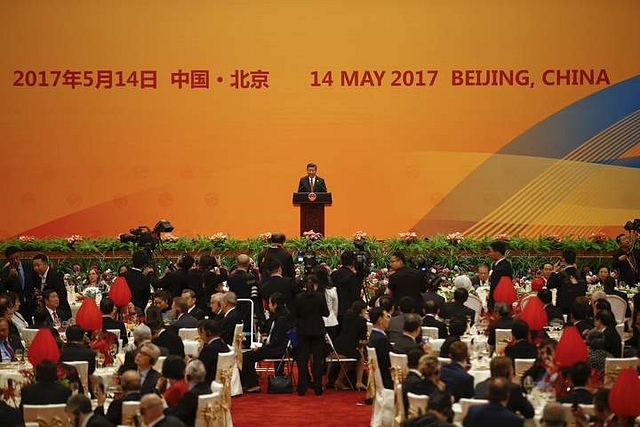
x,y
312,210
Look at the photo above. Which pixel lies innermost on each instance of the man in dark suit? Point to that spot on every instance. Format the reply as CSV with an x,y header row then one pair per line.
x,y
183,318
79,410
396,324
186,410
139,281
521,348
569,281
146,356
166,338
74,350
46,390
578,377
626,260
482,278
406,281
502,366
501,267
276,252
504,321
378,340
130,384
276,282
606,323
552,311
18,276
53,304
152,412
230,318
210,335
190,297
11,417
312,183
177,280
411,337
579,317
415,382
495,412
8,343
454,374
348,284
108,310
50,278
457,307
431,310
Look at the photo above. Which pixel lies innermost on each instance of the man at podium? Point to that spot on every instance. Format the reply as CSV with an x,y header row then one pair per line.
x,y
312,183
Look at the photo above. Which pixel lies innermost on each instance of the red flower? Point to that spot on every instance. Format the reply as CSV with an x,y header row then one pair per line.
x,y
76,268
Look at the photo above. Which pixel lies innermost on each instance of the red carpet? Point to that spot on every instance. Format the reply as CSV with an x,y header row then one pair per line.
x,y
333,408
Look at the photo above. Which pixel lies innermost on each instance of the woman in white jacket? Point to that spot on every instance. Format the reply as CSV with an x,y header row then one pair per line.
x,y
331,295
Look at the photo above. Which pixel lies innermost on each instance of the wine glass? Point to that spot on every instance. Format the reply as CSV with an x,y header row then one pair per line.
x,y
528,384
19,355
100,359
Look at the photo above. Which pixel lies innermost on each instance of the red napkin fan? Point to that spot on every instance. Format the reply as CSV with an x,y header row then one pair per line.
x,y
621,398
571,348
43,347
89,316
505,292
534,314
120,293
537,284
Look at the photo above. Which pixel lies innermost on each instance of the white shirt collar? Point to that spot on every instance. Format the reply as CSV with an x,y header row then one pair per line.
x,y
152,423
86,420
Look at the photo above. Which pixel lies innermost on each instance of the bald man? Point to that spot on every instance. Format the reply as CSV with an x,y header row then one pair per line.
x,y
130,383
241,280
152,411
553,415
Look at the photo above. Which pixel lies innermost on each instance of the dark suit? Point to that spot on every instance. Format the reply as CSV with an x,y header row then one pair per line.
x,y
432,296
228,325
416,384
15,343
98,421
491,414
381,343
458,381
431,321
518,402
625,272
455,309
170,421
521,350
408,282
612,342
140,286
28,302
577,395
44,393
348,286
500,269
584,325
209,357
149,383
282,255
396,327
186,410
114,413
62,315
500,323
553,312
319,185
55,281
109,322
76,352
273,348
309,308
241,282
284,285
11,417
405,344
171,342
196,312
475,281
446,345
567,291
174,282
186,320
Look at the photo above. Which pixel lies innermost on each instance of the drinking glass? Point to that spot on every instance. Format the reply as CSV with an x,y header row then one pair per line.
x,y
100,359
19,355
528,384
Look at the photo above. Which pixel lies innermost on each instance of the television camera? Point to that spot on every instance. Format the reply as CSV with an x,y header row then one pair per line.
x,y
148,240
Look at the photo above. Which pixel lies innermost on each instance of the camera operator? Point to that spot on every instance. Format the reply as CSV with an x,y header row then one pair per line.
x,y
276,251
626,257
406,281
140,278
175,281
347,282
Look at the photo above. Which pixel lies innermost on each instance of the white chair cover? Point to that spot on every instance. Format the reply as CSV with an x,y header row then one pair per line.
x,y
417,404
382,414
159,363
191,348
46,415
436,344
129,410
211,411
613,366
27,336
502,337
399,369
83,372
465,404
190,334
369,329
116,332
474,303
618,307
236,384
430,331
521,367
224,376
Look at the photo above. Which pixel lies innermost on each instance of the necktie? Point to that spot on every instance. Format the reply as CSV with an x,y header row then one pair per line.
x,y
55,316
311,184
7,346
21,275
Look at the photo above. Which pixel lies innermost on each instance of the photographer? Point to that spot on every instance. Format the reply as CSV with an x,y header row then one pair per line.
x,y
139,279
626,257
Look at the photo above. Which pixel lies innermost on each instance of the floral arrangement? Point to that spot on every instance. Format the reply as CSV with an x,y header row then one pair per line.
x,y
312,235
265,236
408,236
218,237
504,237
26,239
168,238
103,342
359,235
455,238
375,280
598,237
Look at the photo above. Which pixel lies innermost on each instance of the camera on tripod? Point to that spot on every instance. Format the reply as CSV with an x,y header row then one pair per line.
x,y
146,238
632,225
432,280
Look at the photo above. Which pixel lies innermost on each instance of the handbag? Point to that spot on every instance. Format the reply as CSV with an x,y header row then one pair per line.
x,y
279,383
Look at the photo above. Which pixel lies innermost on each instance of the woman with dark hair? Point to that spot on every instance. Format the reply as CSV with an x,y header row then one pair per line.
x,y
310,308
348,343
597,353
14,305
273,348
331,295
122,269
172,384
153,315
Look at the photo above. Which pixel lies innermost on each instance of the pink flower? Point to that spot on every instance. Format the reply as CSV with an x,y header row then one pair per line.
x,y
76,268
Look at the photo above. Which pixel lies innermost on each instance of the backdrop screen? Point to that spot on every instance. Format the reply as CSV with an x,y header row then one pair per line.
x,y
483,117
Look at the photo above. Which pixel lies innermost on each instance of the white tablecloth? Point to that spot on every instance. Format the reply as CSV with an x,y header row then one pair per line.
x,y
12,371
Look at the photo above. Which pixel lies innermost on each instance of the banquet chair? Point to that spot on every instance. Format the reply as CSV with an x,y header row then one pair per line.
x,y
502,337
190,334
236,384
83,372
436,345
475,304
618,307
465,404
224,373
27,336
159,363
521,367
613,366
417,404
52,415
369,329
269,365
116,332
334,356
431,332
399,370
191,348
129,411
444,360
382,414
211,412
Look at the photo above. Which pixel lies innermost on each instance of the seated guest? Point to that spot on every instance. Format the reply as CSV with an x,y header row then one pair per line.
x,y
432,294
46,390
75,349
597,353
455,375
605,323
579,316
209,331
423,376
8,343
280,324
600,304
231,316
52,305
16,318
609,286
352,337
108,310
457,326
553,312
141,335
146,356
152,413
502,366
162,300
457,307
276,282
521,348
11,417
189,296
165,339
406,306
578,376
172,384
545,356
463,282
411,337
79,410
186,409
183,319
439,412
431,310
378,340
553,415
494,413
482,278
215,305
504,321
130,384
